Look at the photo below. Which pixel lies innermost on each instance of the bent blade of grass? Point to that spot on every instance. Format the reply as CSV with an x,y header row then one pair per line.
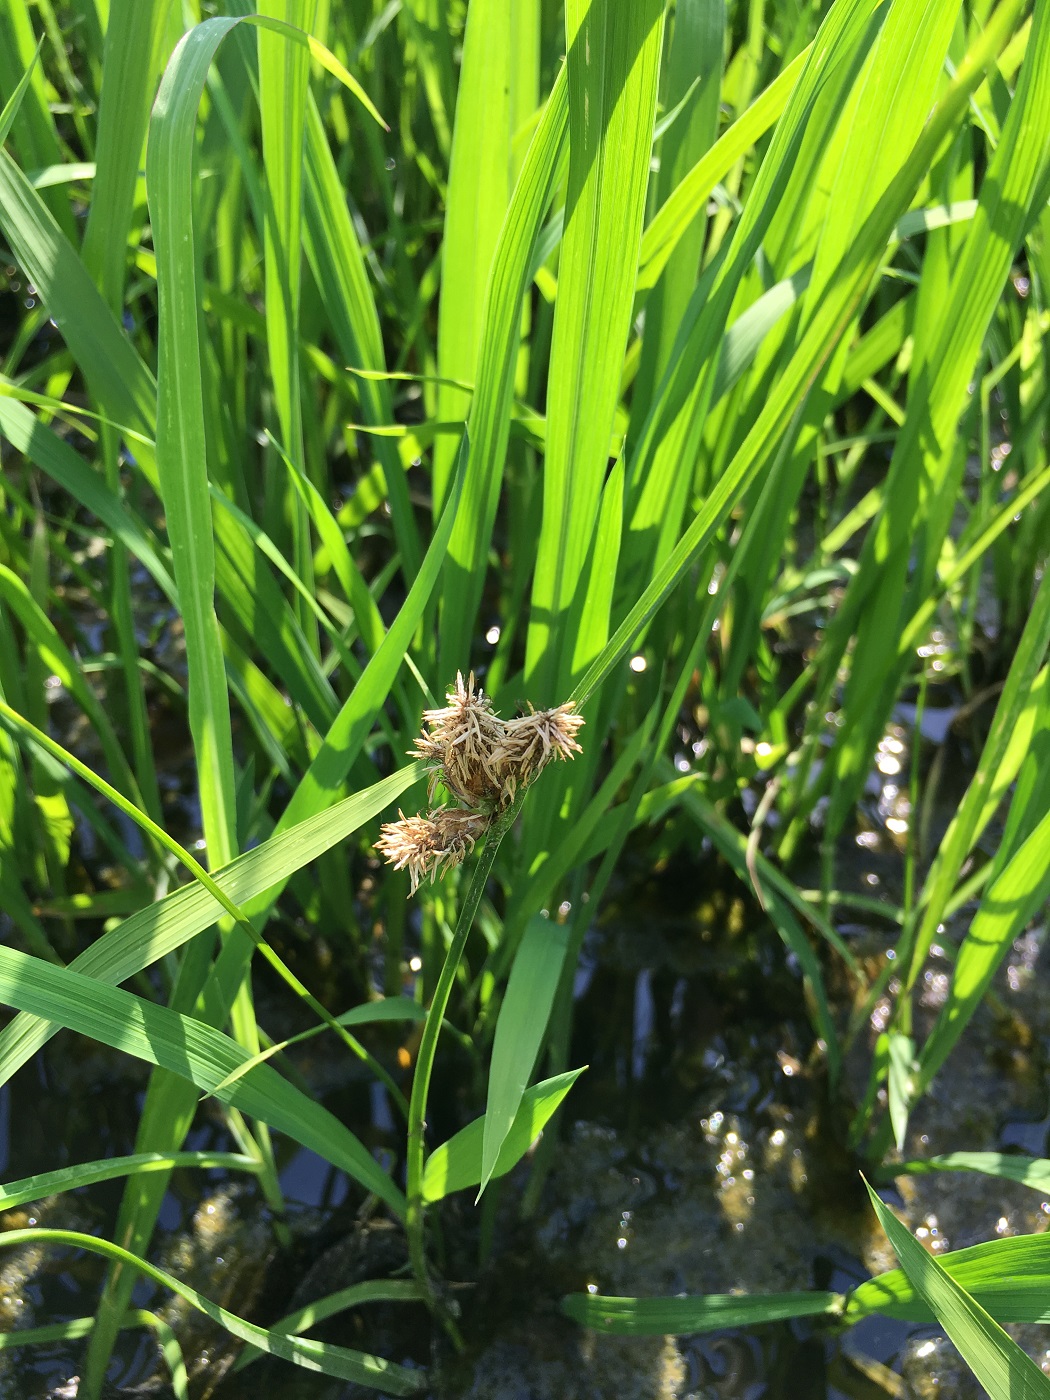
x,y
170,923
994,1357
613,60
181,432
394,1290
1009,1277
520,1031
457,1163
192,1050
323,1357
386,1009
182,460
183,474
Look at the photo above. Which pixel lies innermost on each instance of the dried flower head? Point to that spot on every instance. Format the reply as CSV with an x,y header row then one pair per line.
x,y
483,760
432,844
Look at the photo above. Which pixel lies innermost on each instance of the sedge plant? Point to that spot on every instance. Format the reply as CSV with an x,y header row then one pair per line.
x,y
677,369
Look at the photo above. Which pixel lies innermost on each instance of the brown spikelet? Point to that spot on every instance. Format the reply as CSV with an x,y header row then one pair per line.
x,y
432,844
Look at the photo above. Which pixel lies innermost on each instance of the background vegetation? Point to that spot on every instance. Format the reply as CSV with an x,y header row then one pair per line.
x,y
686,361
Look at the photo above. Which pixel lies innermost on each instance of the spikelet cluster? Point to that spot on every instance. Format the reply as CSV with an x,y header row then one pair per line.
x,y
483,761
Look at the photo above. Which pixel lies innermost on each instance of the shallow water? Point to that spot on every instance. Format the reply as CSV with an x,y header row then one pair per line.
x,y
703,1151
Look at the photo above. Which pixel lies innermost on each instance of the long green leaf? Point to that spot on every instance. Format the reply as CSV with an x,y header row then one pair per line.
x,y
520,1031
36,1188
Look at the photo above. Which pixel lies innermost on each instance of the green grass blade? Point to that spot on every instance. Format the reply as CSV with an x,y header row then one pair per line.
x,y
14,102
1009,902
520,1032
480,178
322,1357
655,1317
182,447
377,1291
1021,699
1009,1277
131,65
489,422
338,265
36,1188
284,71
1029,1171
675,217
694,77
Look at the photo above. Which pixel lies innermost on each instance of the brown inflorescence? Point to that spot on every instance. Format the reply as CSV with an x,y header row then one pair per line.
x,y
432,844
483,761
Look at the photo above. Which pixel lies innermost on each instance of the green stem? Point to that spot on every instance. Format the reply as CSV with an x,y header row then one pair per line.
x,y
417,1108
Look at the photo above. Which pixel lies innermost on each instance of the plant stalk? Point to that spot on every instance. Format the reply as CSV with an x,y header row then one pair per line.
x,y
417,1108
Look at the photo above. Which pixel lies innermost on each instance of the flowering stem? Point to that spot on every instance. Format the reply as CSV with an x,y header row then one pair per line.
x,y
417,1108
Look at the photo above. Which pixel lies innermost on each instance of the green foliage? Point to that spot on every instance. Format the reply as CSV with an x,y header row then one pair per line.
x,y
666,360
